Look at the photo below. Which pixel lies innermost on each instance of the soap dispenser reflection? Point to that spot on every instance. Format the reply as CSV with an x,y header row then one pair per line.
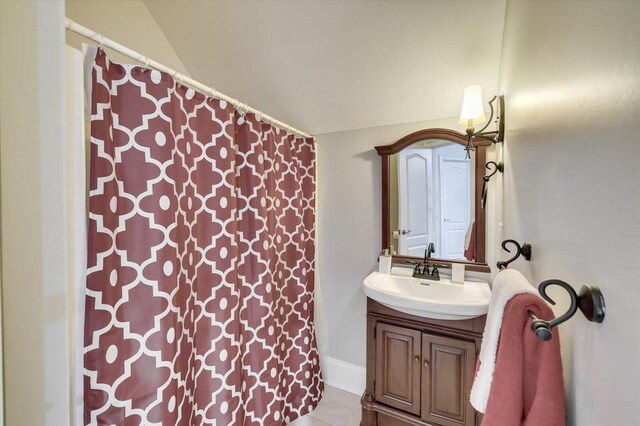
x,y
385,260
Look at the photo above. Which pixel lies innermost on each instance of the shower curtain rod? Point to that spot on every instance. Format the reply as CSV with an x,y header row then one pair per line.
x,y
182,79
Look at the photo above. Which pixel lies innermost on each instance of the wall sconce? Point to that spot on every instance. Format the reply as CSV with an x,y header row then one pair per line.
x,y
473,114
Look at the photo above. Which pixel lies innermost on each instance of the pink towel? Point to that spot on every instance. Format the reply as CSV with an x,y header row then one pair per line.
x,y
527,387
470,242
507,284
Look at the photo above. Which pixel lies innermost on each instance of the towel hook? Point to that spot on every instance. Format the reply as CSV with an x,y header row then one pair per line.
x,y
524,250
589,300
499,167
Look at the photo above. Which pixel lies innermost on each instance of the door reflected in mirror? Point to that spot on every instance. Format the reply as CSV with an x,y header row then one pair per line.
x,y
431,196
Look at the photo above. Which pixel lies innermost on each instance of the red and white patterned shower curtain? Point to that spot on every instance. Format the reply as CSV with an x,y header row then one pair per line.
x,y
199,305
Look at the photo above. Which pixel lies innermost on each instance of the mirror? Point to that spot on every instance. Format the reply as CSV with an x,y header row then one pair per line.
x,y
431,194
431,199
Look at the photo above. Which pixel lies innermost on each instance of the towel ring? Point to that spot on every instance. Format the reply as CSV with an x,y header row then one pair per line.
x,y
524,250
589,300
498,167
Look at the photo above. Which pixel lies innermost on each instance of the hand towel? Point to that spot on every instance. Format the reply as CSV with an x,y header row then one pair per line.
x,y
527,387
507,284
470,242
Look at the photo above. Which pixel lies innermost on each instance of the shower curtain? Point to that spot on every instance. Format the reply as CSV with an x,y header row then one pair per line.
x,y
199,306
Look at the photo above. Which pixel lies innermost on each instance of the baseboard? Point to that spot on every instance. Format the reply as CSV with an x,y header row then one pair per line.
x,y
345,376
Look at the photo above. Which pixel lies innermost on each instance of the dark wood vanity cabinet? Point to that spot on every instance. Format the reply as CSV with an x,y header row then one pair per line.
x,y
419,370
447,376
398,367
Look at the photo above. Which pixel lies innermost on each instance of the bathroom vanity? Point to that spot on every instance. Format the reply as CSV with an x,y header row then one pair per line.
x,y
424,336
419,370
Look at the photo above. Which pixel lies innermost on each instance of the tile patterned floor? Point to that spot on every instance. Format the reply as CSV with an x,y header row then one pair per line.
x,y
336,408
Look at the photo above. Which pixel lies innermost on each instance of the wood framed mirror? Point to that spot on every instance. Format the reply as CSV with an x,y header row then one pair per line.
x,y
431,193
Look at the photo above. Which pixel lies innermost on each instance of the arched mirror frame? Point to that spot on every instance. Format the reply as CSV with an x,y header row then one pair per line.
x,y
385,151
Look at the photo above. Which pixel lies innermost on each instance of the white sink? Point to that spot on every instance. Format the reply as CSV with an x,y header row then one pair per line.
x,y
428,298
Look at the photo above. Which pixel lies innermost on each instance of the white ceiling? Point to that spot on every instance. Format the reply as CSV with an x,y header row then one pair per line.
x,y
328,66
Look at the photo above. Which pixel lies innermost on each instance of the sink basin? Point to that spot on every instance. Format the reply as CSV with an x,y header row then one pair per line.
x,y
428,298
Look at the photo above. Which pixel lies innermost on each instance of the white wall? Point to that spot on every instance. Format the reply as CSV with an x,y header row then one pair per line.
x,y
126,22
349,224
571,75
35,338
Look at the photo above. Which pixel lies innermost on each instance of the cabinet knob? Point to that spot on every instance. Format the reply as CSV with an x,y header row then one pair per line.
x,y
416,359
425,364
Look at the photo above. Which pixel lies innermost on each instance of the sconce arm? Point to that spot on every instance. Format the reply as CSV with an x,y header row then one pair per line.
x,y
479,132
495,135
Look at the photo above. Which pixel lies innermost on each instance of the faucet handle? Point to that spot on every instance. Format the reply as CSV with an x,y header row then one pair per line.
x,y
434,272
416,269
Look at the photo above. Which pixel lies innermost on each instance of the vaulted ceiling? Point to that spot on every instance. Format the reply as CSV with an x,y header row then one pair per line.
x,y
327,66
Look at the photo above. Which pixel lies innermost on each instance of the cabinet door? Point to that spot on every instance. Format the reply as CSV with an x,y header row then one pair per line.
x,y
448,367
398,367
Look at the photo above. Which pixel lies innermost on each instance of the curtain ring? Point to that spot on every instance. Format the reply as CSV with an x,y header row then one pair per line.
x,y
146,62
101,45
